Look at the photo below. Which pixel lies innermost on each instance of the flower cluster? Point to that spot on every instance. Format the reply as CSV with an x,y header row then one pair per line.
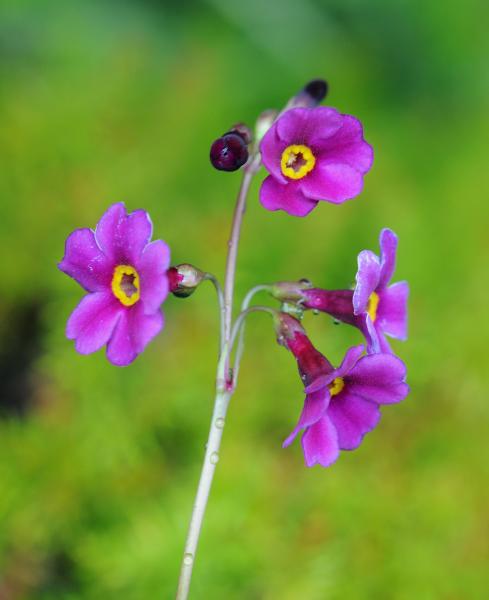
x,y
312,153
342,404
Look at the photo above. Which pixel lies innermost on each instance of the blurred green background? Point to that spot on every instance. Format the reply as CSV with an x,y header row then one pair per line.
x,y
104,101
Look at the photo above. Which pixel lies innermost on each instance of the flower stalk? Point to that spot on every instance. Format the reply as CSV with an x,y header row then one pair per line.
x,y
224,388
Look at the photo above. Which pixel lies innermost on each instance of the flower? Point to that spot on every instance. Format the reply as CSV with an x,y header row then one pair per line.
x,y
376,308
342,404
383,306
125,275
313,154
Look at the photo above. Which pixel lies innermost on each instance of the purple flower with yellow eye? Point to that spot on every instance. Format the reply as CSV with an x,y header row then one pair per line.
x,y
313,154
342,404
125,275
375,307
383,306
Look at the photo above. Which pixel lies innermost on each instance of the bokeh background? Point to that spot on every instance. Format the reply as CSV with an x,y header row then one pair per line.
x,y
102,101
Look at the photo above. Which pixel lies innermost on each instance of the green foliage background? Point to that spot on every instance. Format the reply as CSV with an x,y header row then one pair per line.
x,y
104,101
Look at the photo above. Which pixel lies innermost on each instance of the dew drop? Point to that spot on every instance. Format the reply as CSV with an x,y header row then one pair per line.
x,y
220,423
214,458
315,311
188,559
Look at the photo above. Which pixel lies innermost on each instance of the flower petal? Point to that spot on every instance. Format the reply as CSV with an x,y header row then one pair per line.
x,y
271,148
133,332
315,406
287,197
92,322
392,310
351,358
85,261
321,382
320,443
367,279
136,232
123,236
352,417
308,126
107,230
388,250
371,332
153,265
378,378
332,181
348,146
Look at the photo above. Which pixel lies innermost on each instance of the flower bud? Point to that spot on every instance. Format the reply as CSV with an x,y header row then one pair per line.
x,y
230,151
312,94
184,280
316,90
243,130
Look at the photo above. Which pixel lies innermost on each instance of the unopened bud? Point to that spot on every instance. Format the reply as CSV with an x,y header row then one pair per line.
x,y
230,151
243,130
184,279
312,94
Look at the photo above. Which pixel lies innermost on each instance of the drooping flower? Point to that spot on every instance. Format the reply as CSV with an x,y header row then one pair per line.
x,y
313,154
375,307
342,404
124,274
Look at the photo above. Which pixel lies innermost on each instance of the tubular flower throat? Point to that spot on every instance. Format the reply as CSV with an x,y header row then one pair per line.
x,y
336,386
297,161
125,284
372,306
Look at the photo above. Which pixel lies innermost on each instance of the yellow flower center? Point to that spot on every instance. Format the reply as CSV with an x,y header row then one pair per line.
x,y
297,161
372,306
336,386
125,284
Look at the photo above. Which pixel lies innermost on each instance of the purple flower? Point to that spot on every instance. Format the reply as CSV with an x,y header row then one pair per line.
x,y
125,275
313,154
376,308
342,404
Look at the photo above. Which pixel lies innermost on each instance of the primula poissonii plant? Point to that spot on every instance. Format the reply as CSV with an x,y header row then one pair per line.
x,y
311,153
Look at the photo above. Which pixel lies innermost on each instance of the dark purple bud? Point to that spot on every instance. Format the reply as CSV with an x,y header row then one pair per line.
x,y
312,94
229,152
316,90
243,130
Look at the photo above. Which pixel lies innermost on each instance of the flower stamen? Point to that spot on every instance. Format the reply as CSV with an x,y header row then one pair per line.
x,y
125,284
297,161
372,306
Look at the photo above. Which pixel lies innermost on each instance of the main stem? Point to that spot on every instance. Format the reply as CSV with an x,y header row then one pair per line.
x,y
223,393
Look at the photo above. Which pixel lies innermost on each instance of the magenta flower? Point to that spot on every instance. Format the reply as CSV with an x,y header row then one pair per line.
x,y
376,308
125,275
342,404
313,154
